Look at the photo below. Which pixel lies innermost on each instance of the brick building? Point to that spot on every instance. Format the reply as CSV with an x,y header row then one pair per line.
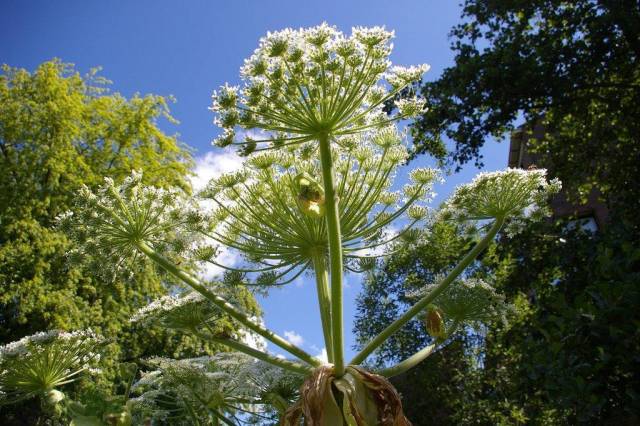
x,y
591,215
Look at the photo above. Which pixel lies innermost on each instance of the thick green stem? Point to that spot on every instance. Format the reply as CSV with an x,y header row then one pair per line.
x,y
335,252
422,303
324,300
408,363
246,349
225,306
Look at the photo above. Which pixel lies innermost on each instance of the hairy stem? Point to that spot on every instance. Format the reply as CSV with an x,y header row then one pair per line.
x,y
324,300
422,303
225,306
335,252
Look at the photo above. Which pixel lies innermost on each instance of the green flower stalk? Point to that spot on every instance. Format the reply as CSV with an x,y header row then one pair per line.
x,y
36,365
315,194
317,85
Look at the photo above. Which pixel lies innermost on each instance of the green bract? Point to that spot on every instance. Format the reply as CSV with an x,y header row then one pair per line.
x,y
300,84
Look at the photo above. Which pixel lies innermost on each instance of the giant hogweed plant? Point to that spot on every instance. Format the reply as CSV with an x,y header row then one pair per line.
x,y
315,195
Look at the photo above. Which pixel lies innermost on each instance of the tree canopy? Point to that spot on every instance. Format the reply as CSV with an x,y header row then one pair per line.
x,y
58,131
563,354
569,65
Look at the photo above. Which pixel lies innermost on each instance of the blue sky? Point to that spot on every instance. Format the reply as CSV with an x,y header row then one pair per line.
x,y
187,49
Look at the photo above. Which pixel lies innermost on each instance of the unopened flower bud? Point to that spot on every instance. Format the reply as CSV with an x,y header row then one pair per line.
x,y
53,396
434,321
310,197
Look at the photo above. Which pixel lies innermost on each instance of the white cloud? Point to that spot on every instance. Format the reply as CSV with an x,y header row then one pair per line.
x,y
210,166
226,256
293,338
322,356
253,339
213,164
389,233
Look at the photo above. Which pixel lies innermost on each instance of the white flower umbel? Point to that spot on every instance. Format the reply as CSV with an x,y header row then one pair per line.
x,y
222,384
108,223
273,210
121,222
317,85
299,84
508,193
36,365
466,302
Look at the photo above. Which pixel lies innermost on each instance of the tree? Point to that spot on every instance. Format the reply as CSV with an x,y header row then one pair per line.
x,y
564,357
572,66
59,131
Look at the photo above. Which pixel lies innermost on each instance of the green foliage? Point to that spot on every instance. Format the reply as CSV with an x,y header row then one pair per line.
x,y
570,354
58,131
433,386
567,353
570,66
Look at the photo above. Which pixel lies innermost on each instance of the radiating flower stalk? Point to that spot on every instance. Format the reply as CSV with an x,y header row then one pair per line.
x,y
36,365
315,194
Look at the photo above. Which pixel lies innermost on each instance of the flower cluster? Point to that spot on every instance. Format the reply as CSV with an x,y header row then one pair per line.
x,y
35,365
226,383
272,210
176,311
191,312
109,223
299,84
466,302
512,192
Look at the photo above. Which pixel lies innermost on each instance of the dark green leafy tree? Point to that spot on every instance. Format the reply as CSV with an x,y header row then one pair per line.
x,y
569,354
571,66
59,130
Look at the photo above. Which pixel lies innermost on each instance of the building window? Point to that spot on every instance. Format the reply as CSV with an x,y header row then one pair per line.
x,y
586,224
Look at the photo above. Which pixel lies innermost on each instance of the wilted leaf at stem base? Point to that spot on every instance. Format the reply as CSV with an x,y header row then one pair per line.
x,y
367,399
